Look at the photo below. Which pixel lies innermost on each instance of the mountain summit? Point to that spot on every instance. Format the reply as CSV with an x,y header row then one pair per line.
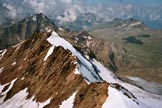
x,y
23,29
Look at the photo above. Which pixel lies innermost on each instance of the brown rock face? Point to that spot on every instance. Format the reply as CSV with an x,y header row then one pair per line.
x,y
92,96
24,56
51,79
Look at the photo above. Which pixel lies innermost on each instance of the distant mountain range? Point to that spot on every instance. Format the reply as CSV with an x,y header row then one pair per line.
x,y
83,22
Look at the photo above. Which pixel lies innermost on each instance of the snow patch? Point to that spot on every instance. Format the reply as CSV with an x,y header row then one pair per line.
x,y
18,45
1,69
117,100
49,52
87,74
135,24
19,101
3,52
69,102
76,71
22,78
25,58
13,63
87,57
48,29
61,29
5,93
34,18
106,74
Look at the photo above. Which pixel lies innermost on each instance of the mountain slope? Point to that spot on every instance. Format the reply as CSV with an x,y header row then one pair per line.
x,y
141,47
46,71
130,57
23,29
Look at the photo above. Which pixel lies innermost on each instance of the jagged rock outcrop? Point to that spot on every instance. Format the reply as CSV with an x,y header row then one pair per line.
x,y
52,79
92,96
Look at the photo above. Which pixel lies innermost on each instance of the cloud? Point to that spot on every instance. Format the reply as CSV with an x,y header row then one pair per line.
x,y
67,1
11,10
70,14
48,7
38,7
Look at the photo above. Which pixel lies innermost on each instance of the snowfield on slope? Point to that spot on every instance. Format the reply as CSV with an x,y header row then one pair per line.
x,y
87,70
90,74
145,99
2,52
19,100
116,99
69,102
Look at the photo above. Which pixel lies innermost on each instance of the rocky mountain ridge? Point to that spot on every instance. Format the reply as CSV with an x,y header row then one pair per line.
x,y
46,71
108,50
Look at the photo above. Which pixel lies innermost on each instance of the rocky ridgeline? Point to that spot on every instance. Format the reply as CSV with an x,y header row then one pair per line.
x,y
25,69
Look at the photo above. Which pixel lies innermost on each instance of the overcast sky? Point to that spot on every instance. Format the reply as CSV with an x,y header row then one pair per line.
x,y
57,6
109,9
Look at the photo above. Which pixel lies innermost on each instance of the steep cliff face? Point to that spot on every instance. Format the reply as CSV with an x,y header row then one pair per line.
x,y
28,67
92,96
26,64
46,71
